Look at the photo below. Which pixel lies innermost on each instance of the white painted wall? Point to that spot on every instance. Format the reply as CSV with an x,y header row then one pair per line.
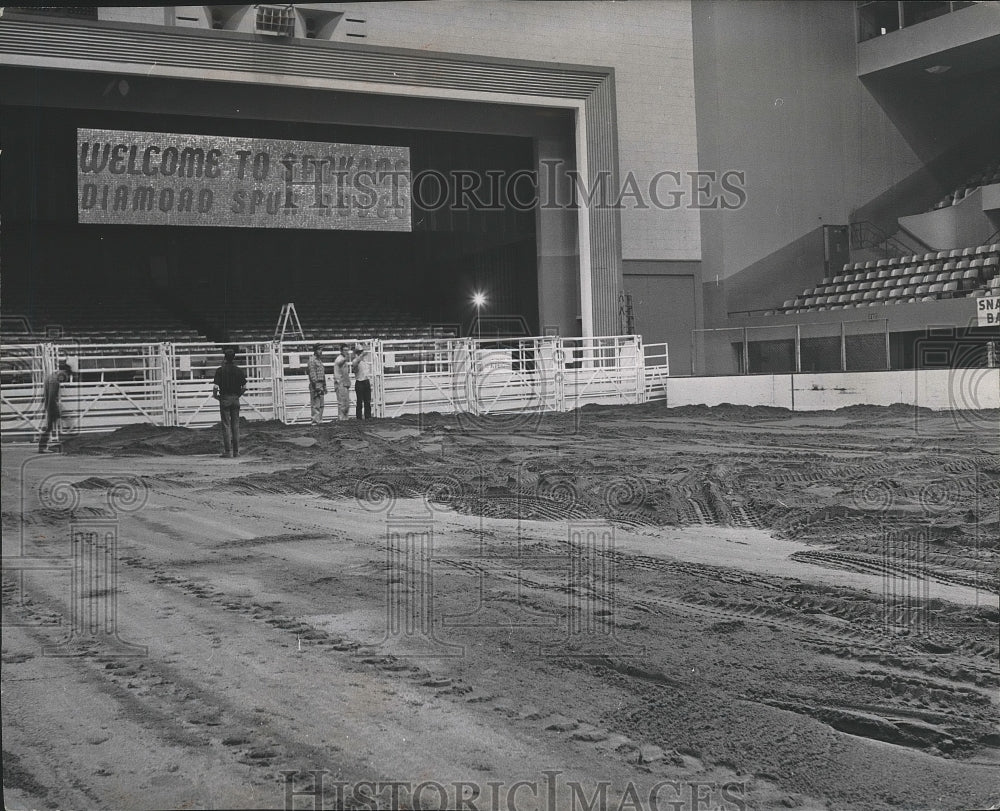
x,y
938,389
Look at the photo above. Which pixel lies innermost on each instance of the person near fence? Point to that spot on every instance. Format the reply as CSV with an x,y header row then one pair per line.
x,y
362,382
317,384
50,403
228,386
342,381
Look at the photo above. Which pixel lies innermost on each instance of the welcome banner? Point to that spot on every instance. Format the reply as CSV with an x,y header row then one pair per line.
x,y
157,178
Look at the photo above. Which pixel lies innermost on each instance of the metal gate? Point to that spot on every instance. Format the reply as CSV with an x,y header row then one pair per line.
x,y
192,368
605,370
22,373
171,384
112,385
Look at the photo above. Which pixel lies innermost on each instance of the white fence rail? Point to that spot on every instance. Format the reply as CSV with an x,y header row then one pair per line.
x,y
171,384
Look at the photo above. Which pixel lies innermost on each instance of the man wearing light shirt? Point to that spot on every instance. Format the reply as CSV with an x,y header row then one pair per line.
x,y
362,383
342,381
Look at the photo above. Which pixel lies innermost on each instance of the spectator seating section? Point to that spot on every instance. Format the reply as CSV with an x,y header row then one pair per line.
x,y
903,280
327,315
991,174
115,316
122,317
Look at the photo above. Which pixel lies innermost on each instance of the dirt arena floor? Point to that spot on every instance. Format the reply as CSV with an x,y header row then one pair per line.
x,y
620,608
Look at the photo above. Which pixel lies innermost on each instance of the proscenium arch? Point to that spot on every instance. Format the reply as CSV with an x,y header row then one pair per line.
x,y
225,56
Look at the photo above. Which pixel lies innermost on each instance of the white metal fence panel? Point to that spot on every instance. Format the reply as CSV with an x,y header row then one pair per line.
x,y
424,376
505,376
292,359
171,384
112,385
604,370
22,373
193,370
656,370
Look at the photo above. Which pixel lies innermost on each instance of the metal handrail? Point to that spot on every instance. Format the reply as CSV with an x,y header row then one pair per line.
x,y
866,234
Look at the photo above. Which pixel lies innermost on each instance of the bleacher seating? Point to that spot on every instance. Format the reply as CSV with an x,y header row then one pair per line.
x,y
135,316
325,315
904,280
991,174
111,316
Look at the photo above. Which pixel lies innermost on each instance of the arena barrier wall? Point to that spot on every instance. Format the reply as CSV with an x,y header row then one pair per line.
x,y
169,384
963,389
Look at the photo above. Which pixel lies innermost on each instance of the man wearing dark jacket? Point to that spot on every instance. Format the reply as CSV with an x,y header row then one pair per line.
x,y
229,384
50,403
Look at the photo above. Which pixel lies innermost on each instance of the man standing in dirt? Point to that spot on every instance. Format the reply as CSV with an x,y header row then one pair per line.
x,y
317,384
362,383
50,403
342,381
229,384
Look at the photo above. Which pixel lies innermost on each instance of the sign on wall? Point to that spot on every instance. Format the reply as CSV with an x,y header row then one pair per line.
x,y
157,178
988,311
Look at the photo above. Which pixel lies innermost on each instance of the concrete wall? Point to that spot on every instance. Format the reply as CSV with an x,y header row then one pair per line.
x,y
649,46
955,226
778,96
938,389
766,390
978,24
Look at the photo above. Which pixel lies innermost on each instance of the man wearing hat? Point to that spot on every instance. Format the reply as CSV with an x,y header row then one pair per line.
x,y
362,384
50,402
228,386
317,384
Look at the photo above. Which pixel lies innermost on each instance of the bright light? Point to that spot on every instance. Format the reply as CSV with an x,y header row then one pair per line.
x,y
478,299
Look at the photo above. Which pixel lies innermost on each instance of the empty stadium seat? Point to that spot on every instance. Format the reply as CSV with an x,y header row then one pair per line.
x,y
970,279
